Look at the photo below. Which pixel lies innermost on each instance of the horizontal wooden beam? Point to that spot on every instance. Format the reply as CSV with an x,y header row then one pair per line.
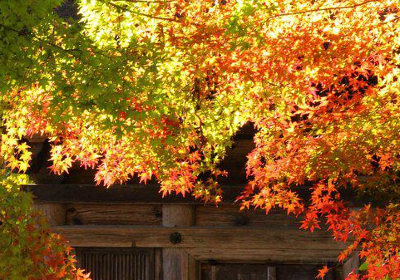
x,y
205,242
75,193
63,193
275,256
55,213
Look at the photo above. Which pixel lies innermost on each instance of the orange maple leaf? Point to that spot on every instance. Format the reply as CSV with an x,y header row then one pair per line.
x,y
322,272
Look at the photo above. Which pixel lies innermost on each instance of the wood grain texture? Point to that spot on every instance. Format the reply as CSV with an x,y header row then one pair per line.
x,y
350,265
230,215
201,237
177,263
158,264
271,273
175,215
114,214
271,256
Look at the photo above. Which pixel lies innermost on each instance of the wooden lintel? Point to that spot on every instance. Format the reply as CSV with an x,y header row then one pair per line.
x,y
271,256
55,213
275,243
351,265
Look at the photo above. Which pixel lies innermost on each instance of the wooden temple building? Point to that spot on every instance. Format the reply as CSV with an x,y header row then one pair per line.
x,y
131,233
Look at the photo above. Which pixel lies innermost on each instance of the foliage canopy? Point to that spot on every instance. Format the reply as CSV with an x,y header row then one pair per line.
x,y
28,249
157,89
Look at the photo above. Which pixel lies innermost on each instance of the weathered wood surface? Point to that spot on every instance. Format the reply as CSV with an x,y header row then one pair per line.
x,y
152,214
114,214
230,215
350,265
158,264
55,213
275,255
296,244
177,215
177,263
271,273
238,272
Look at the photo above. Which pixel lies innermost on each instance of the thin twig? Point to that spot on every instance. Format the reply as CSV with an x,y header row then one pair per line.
x,y
141,14
323,9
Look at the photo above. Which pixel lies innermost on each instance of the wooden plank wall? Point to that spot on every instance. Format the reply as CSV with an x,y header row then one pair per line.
x,y
223,233
206,234
183,232
114,214
151,214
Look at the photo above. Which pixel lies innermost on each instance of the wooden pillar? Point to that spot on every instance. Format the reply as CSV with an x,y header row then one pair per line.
x,y
271,273
55,213
177,263
350,265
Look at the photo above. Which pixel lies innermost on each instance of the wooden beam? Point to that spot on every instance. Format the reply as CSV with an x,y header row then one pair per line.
x,y
351,265
55,213
178,215
158,264
177,263
204,242
114,214
271,273
230,215
271,256
200,237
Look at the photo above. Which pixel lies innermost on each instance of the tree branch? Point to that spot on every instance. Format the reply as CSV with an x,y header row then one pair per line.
x,y
323,9
140,14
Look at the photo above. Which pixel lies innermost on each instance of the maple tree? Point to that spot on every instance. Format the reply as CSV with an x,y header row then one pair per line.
x,y
158,89
28,250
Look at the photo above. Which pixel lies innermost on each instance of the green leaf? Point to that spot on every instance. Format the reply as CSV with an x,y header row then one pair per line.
x,y
363,266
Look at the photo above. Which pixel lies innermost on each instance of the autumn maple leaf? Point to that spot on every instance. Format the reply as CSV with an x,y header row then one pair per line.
x,y
322,272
